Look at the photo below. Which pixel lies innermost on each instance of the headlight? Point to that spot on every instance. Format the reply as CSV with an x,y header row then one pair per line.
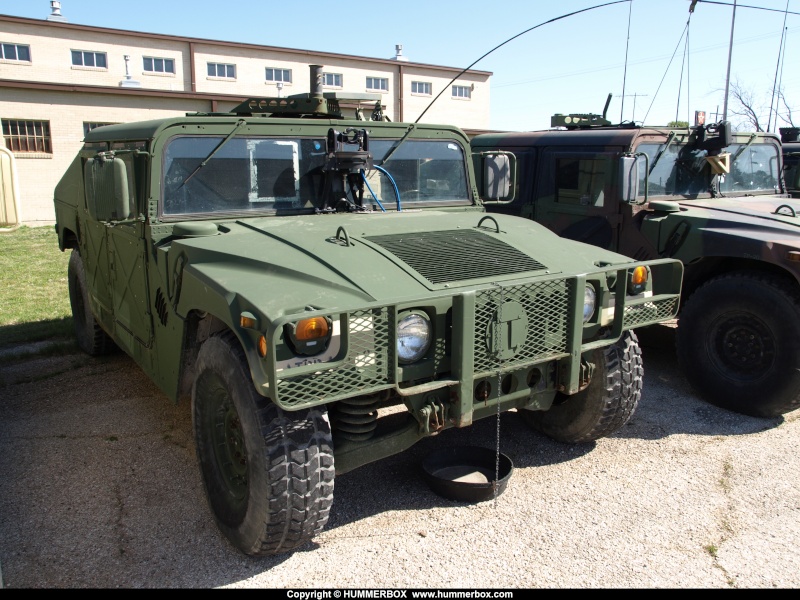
x,y
413,337
589,302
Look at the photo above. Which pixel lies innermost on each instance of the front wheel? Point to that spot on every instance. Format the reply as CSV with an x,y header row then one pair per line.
x,y
738,343
268,473
605,405
91,337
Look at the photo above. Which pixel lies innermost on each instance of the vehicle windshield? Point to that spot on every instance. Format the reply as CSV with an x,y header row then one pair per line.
x,y
286,175
684,171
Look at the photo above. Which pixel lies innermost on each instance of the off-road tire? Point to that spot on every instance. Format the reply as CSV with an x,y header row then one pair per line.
x,y
605,405
268,473
738,343
92,339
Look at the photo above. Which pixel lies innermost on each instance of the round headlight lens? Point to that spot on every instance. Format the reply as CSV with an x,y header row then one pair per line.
x,y
413,337
589,302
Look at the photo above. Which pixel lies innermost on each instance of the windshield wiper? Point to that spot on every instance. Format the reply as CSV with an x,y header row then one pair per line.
x,y
238,126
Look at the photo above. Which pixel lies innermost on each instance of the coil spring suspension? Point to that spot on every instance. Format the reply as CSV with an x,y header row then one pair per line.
x,y
355,419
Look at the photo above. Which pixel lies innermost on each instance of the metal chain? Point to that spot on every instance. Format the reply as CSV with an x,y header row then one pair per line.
x,y
499,389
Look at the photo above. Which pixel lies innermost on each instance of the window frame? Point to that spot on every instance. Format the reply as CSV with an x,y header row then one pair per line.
x,y
16,46
83,54
227,66
42,141
464,88
335,77
375,79
153,70
427,84
276,70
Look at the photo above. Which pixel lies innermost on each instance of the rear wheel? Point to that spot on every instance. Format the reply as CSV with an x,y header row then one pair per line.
x,y
268,473
738,343
91,337
605,405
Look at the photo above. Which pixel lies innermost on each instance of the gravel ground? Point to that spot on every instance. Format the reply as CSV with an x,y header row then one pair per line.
x,y
100,488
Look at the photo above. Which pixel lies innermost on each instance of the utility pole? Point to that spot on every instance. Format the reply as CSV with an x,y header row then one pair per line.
x,y
634,95
728,76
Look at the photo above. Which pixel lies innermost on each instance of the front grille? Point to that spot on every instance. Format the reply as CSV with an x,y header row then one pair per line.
x,y
457,255
546,306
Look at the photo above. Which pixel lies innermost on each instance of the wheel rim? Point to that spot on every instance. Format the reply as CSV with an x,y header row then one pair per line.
x,y
224,429
742,346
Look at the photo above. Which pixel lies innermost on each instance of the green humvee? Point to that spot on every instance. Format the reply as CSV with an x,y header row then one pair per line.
x,y
328,291
709,196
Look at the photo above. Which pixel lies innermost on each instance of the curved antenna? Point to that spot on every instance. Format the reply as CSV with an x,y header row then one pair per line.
x,y
513,38
684,62
685,31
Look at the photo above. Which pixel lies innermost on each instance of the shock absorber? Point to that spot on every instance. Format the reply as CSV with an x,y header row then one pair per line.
x,y
355,419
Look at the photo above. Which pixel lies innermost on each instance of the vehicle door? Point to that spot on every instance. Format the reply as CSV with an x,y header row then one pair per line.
x,y
576,194
115,241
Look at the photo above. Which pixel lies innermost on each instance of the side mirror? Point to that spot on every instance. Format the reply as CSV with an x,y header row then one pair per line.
x,y
629,178
496,171
106,189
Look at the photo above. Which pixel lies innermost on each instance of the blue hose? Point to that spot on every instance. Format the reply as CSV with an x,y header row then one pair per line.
x,y
371,192
396,191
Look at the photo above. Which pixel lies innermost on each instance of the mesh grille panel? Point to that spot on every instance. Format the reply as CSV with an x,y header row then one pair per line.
x,y
366,368
447,256
546,306
650,312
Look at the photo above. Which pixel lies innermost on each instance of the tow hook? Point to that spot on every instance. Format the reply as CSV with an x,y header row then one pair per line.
x,y
584,377
432,417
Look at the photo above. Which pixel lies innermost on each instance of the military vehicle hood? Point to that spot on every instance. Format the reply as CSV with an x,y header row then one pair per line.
x,y
762,208
346,260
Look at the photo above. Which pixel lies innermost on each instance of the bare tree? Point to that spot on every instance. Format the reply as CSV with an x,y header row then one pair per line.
x,y
746,106
786,115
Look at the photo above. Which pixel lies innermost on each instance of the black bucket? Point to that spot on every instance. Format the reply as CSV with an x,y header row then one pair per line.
x,y
467,473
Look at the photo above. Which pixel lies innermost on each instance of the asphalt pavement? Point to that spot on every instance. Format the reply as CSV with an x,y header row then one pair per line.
x,y
100,489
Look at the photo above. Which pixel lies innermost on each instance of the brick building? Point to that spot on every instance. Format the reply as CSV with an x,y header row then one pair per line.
x,y
59,79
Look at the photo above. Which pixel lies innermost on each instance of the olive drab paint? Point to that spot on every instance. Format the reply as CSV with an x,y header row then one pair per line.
x,y
328,290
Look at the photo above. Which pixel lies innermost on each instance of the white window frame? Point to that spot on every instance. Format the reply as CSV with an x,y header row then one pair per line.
x,y
4,51
334,80
83,55
285,75
154,60
426,84
382,84
227,67
462,92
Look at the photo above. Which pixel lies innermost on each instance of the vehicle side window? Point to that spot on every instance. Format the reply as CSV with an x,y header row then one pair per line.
x,y
581,181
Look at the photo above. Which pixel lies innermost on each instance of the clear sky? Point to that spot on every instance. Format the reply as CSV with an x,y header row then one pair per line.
x,y
569,65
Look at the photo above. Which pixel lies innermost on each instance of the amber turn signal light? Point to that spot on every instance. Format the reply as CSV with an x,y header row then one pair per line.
x,y
311,329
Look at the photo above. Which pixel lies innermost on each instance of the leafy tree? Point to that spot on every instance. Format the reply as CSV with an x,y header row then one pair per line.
x,y
678,124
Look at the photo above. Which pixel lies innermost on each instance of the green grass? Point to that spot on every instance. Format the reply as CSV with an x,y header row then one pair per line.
x,y
34,297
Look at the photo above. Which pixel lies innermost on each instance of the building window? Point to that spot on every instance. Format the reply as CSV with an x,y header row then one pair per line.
x,y
378,84
158,65
27,136
422,88
83,58
332,79
462,91
17,52
222,70
88,126
282,75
